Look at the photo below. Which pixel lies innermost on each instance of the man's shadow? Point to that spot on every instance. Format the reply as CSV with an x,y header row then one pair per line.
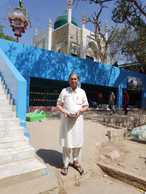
x,y
52,157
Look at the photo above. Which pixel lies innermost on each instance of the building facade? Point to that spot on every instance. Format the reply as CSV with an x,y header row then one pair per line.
x,y
66,36
46,73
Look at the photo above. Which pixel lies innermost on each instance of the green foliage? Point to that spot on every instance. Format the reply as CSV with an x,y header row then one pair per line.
x,y
132,12
136,48
127,12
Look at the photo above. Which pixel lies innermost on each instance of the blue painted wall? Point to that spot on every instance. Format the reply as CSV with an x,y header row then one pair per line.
x,y
15,84
34,62
15,87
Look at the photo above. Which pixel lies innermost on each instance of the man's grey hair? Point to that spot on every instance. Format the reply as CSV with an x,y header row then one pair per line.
x,y
73,73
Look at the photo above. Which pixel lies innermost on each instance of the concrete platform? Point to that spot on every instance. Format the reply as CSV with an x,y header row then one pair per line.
x,y
125,176
39,185
128,165
19,171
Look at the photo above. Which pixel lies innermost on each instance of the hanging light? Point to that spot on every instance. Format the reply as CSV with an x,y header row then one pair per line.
x,y
18,20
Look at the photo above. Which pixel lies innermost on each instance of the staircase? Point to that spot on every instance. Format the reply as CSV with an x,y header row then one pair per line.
x,y
18,161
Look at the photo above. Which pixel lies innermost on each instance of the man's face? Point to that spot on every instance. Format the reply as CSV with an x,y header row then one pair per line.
x,y
73,81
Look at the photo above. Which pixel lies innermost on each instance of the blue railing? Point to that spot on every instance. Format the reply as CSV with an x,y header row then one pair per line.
x,y
15,85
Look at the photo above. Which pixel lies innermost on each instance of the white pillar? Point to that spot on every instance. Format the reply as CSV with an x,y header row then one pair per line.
x,y
106,32
84,21
50,35
83,39
69,10
106,38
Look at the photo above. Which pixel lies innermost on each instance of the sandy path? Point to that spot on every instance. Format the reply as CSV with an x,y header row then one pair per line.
x,y
44,137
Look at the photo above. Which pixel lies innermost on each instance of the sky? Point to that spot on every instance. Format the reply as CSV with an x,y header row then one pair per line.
x,y
40,11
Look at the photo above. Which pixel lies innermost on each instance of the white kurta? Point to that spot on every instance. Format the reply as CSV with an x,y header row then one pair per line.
x,y
71,130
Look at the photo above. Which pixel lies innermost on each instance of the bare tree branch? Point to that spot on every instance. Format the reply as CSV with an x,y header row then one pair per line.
x,y
139,7
100,1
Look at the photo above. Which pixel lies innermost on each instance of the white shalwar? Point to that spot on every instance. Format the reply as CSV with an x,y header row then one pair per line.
x,y
71,131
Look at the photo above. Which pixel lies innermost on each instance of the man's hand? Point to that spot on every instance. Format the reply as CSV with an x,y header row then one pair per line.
x,y
66,114
78,113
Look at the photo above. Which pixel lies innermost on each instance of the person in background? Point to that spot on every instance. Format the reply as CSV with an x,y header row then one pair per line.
x,y
72,103
112,102
99,98
126,102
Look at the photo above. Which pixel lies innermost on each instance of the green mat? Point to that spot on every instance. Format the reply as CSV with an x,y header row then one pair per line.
x,y
37,115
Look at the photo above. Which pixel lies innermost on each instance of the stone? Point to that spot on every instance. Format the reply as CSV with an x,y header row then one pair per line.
x,y
114,155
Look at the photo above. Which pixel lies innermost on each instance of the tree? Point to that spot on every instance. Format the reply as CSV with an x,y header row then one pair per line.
x,y
108,39
136,47
100,37
123,5
132,15
116,47
131,12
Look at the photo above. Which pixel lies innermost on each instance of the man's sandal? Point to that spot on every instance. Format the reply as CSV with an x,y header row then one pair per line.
x,y
78,167
64,171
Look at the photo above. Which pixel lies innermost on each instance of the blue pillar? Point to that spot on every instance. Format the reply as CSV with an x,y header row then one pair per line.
x,y
143,98
119,96
28,94
26,130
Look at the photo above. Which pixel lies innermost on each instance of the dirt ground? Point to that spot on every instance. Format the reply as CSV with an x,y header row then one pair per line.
x,y
131,158
44,137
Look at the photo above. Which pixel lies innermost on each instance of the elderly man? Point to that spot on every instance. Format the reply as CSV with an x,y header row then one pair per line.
x,y
72,102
